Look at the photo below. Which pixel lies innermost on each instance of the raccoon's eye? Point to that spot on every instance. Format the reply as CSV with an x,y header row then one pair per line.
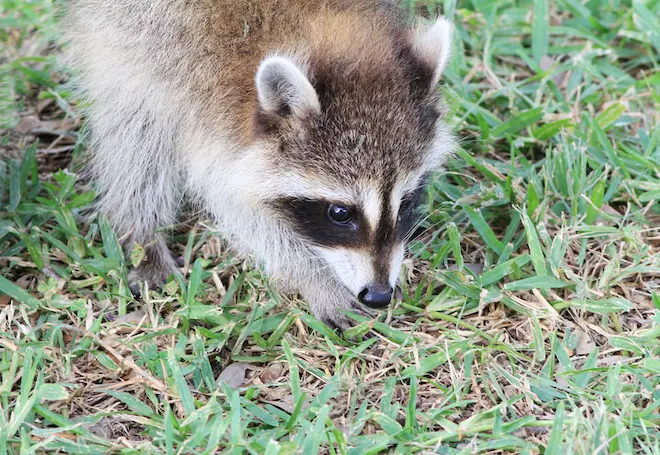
x,y
405,205
339,214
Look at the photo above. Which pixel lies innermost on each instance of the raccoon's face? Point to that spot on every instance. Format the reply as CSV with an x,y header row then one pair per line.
x,y
359,235
355,148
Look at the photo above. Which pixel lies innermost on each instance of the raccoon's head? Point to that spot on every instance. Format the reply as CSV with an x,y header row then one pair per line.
x,y
355,137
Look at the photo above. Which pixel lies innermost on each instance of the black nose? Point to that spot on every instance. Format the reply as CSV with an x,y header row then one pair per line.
x,y
376,296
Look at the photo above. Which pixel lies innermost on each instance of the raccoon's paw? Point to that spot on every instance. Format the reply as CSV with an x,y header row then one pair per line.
x,y
154,270
336,318
330,301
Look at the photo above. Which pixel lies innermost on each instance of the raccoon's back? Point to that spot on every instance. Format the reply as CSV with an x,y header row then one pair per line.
x,y
200,54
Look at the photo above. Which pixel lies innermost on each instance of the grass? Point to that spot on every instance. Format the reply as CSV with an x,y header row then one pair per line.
x,y
530,318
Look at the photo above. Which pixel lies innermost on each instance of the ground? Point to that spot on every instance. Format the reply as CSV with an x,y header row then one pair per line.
x,y
529,321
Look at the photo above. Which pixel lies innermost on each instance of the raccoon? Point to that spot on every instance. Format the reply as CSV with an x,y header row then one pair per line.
x,y
307,129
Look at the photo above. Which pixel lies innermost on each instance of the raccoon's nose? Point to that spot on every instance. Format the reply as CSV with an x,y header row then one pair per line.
x,y
376,296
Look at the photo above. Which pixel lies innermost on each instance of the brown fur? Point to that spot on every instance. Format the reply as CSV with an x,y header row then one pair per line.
x,y
217,45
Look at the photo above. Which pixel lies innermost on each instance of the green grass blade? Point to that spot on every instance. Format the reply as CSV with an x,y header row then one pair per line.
x,y
18,294
540,30
482,227
535,248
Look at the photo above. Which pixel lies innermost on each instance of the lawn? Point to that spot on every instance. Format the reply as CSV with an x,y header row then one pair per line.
x,y
530,315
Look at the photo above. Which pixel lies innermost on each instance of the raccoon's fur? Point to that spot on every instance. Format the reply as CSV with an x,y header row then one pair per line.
x,y
308,129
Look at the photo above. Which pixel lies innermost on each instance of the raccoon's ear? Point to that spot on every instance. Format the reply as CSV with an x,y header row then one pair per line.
x,y
283,88
431,44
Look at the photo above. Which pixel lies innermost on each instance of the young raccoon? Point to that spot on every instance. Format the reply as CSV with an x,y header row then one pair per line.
x,y
308,129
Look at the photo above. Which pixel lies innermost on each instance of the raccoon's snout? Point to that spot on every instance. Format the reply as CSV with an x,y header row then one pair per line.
x,y
376,296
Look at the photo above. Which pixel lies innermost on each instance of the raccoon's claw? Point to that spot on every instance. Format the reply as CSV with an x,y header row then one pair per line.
x,y
154,270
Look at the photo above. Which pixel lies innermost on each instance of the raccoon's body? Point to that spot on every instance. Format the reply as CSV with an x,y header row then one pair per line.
x,y
306,128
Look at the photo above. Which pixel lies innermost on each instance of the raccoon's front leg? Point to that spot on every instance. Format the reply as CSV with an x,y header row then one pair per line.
x,y
136,173
329,299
